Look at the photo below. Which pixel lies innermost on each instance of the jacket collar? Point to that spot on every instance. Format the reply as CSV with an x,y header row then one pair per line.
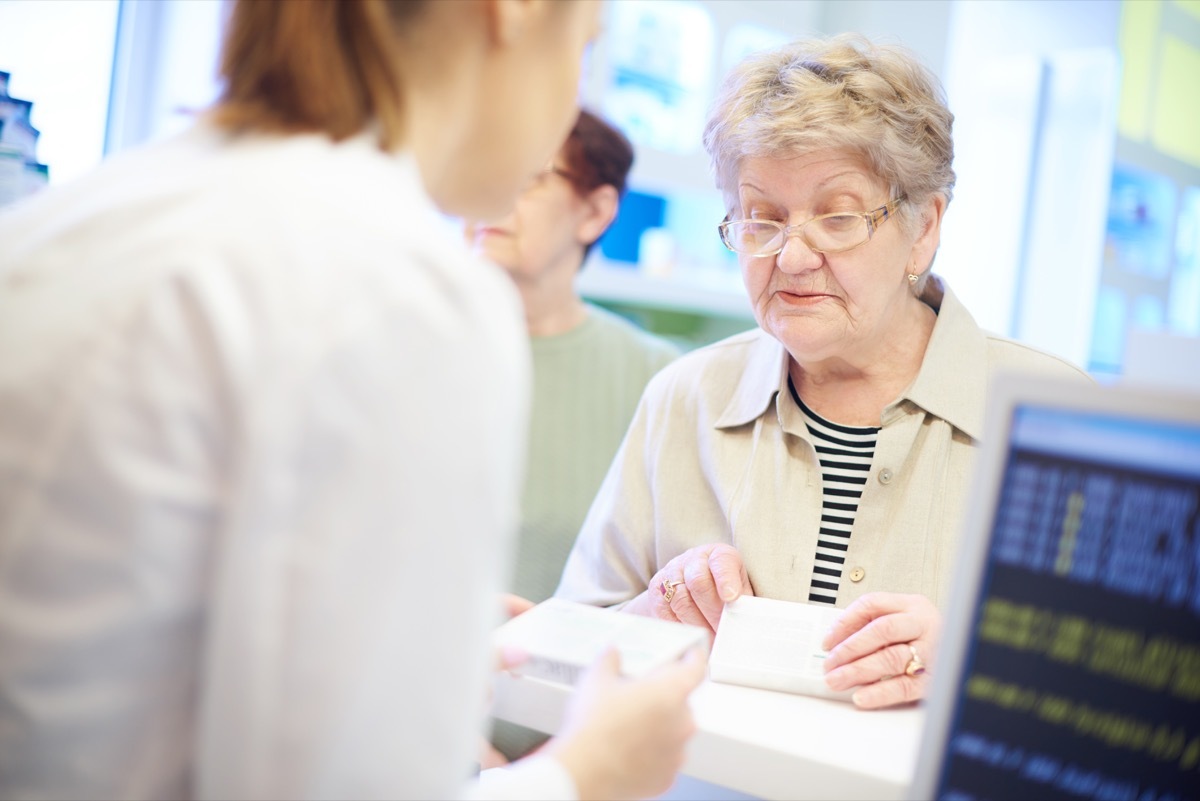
x,y
952,381
951,384
764,376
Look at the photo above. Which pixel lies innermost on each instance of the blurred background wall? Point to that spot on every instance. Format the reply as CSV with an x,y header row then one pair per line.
x,y
1076,220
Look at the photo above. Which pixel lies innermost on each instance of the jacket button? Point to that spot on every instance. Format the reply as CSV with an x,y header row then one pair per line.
x,y
885,476
857,574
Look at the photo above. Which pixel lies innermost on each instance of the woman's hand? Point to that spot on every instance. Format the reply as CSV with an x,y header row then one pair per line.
x,y
884,643
625,738
695,586
489,757
514,604
504,659
511,657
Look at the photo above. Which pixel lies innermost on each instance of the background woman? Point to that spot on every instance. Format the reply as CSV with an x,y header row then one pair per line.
x,y
589,365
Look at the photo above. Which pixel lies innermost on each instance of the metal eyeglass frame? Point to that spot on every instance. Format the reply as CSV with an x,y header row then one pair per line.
x,y
874,219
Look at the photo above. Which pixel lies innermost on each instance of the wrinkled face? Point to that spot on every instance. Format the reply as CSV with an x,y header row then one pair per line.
x,y
542,232
825,305
528,102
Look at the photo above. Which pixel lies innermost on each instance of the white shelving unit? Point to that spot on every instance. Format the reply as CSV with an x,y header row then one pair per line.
x,y
716,293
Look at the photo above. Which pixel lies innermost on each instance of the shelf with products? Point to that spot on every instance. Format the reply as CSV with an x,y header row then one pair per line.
x,y
653,76
692,306
20,172
662,264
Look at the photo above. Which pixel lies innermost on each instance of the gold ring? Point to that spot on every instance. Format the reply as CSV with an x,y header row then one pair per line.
x,y
667,588
916,665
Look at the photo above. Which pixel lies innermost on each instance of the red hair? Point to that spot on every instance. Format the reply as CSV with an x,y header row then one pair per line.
x,y
325,66
596,154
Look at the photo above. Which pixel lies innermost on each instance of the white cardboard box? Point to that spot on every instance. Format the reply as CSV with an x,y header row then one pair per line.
x,y
563,638
773,645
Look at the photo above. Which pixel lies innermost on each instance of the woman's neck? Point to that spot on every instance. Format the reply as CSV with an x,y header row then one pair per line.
x,y
552,306
855,390
558,320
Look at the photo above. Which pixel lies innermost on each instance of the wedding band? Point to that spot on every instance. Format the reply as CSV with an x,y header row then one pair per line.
x,y
916,665
667,588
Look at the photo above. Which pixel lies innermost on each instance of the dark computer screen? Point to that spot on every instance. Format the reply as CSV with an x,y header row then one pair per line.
x,y
1083,675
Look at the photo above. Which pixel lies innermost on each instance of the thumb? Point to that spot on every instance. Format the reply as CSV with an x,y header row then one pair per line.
x,y
746,588
515,605
511,656
684,675
694,667
604,671
725,564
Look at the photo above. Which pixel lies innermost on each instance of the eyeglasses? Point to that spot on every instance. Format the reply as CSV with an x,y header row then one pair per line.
x,y
828,233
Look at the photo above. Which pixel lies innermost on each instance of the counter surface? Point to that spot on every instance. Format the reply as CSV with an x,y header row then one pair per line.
x,y
767,744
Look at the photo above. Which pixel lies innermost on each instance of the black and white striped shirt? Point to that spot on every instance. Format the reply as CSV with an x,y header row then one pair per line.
x,y
845,454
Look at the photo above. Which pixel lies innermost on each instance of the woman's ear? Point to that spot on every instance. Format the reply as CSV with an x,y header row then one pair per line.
x,y
600,209
929,235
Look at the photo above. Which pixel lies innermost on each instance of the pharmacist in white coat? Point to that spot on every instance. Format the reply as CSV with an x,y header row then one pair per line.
x,y
254,518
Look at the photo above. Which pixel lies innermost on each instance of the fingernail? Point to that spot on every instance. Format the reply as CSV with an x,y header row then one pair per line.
x,y
513,655
728,592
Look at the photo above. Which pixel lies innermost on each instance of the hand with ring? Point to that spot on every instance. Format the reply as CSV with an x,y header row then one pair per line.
x,y
668,588
695,586
916,665
883,644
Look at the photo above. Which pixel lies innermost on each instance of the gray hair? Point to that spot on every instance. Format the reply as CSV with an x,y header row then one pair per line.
x,y
839,92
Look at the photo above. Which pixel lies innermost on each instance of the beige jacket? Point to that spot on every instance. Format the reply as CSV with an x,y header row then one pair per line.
x,y
718,452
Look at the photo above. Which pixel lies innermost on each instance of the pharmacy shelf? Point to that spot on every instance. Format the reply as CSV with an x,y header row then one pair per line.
x,y
716,293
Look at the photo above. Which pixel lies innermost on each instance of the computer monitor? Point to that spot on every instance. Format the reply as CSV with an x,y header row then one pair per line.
x,y
1070,659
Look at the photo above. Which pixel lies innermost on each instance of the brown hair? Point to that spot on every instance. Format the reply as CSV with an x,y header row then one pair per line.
x,y
596,154
314,66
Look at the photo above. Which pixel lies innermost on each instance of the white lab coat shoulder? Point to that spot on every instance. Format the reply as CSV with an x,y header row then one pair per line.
x,y
239,382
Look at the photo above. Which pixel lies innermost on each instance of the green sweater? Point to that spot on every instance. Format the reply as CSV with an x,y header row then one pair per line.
x,y
586,387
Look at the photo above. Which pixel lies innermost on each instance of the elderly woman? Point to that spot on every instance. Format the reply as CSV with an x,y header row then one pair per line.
x,y
823,457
